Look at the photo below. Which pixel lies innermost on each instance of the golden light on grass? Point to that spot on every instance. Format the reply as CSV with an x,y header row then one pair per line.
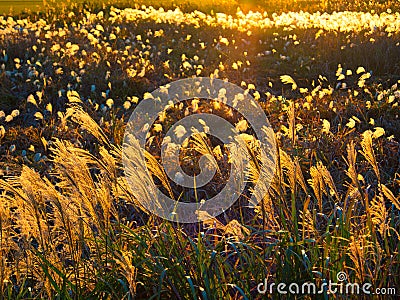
x,y
72,227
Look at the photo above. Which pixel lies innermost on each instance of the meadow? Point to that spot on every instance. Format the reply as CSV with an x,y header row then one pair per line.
x,y
327,75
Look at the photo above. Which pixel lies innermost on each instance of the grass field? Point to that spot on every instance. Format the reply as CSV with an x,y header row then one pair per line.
x,y
327,75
